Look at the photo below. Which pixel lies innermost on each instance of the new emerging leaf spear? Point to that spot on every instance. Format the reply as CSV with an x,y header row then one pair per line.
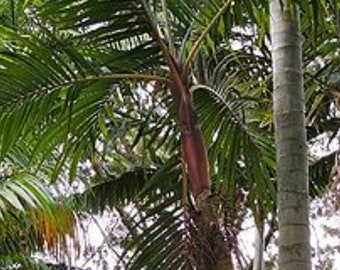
x,y
193,149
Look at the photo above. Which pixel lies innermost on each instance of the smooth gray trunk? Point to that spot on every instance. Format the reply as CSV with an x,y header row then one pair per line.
x,y
259,247
290,137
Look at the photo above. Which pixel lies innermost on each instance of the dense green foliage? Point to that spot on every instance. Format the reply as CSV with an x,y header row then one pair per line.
x,y
89,82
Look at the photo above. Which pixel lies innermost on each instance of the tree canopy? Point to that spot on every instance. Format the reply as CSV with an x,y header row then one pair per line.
x,y
152,103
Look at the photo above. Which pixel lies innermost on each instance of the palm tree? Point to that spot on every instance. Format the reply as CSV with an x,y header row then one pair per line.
x,y
291,139
175,59
70,81
139,41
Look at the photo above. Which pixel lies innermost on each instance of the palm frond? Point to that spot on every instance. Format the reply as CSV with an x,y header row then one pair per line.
x,y
156,227
225,106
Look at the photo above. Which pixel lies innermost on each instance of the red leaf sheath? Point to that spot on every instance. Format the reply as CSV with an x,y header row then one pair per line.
x,y
195,157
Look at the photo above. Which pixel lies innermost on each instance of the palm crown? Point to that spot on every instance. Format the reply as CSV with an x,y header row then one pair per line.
x,y
116,82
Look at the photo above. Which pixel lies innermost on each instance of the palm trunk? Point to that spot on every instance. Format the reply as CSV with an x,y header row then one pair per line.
x,y
213,253
259,246
290,136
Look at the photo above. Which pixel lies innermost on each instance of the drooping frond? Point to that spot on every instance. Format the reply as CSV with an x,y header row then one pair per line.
x,y
225,104
158,225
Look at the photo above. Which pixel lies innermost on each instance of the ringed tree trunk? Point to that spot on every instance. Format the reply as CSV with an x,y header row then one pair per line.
x,y
290,137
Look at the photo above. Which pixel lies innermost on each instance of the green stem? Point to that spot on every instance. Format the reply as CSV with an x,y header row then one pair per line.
x,y
205,32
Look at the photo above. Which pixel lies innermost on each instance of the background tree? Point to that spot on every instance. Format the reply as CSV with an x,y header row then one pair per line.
x,y
291,140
